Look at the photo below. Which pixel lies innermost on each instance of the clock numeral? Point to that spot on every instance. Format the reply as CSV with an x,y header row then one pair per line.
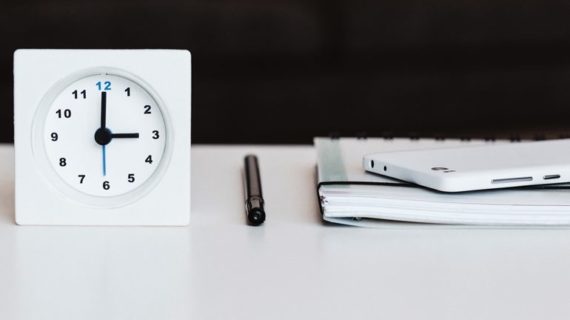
x,y
76,94
147,109
105,86
155,134
81,178
62,162
131,177
128,91
106,185
65,113
148,159
54,136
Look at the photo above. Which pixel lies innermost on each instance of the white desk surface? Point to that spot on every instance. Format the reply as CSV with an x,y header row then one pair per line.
x,y
293,267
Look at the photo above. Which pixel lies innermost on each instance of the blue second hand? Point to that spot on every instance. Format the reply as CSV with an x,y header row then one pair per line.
x,y
104,162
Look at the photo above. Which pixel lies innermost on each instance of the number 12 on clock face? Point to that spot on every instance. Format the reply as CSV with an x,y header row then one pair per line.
x,y
105,135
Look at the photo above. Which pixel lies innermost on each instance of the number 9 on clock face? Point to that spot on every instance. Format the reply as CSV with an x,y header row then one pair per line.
x,y
104,135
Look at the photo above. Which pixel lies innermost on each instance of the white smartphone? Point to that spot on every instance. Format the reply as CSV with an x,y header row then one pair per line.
x,y
477,167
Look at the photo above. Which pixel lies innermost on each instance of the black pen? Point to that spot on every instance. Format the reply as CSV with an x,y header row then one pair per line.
x,y
254,198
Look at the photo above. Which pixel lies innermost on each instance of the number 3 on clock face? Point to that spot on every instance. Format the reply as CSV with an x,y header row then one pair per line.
x,y
104,135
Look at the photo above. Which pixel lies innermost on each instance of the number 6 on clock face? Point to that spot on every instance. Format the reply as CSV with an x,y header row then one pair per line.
x,y
104,135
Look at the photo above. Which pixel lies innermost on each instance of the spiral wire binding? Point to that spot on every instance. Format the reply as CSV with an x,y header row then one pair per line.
x,y
513,137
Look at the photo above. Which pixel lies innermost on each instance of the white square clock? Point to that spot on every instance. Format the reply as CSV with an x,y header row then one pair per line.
x,y
102,137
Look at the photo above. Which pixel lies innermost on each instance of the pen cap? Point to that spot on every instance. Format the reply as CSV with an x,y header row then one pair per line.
x,y
253,181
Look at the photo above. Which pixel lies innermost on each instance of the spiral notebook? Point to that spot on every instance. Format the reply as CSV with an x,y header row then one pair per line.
x,y
349,195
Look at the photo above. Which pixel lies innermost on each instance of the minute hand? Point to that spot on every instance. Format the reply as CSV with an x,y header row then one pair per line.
x,y
103,109
124,135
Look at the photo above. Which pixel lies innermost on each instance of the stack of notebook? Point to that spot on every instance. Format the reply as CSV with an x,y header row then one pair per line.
x,y
349,195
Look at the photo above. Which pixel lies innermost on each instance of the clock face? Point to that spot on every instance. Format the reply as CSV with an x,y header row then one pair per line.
x,y
104,135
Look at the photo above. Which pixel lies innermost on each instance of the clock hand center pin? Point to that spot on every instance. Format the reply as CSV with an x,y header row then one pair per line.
x,y
103,136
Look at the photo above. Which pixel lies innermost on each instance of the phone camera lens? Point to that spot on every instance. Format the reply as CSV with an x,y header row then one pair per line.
x,y
371,163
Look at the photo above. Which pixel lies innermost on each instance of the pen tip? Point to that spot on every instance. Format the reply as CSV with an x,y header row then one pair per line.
x,y
256,217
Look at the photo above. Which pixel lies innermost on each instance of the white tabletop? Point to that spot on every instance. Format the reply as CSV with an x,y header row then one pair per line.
x,y
292,267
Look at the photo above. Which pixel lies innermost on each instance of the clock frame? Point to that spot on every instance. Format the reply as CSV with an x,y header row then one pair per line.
x,y
42,196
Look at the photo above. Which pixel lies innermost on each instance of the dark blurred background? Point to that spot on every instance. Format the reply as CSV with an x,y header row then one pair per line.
x,y
316,67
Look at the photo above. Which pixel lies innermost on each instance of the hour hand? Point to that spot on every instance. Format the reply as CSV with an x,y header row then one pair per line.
x,y
103,136
124,135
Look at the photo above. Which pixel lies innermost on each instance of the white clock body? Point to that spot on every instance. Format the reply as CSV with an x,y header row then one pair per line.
x,y
102,137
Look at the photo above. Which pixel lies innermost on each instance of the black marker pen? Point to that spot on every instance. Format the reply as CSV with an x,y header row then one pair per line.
x,y
254,198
